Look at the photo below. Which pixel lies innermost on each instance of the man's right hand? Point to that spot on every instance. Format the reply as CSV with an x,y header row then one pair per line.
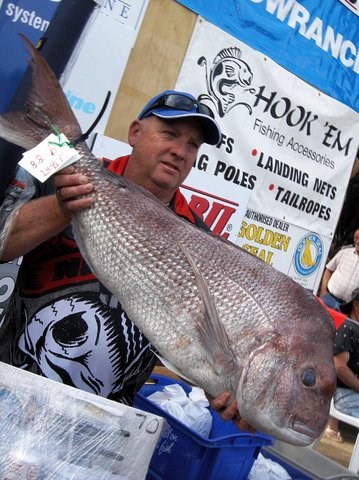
x,y
73,190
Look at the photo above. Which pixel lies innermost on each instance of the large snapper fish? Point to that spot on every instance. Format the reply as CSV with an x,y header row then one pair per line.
x,y
222,317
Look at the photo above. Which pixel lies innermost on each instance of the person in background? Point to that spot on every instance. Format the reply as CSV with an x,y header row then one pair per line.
x,y
346,361
63,323
341,275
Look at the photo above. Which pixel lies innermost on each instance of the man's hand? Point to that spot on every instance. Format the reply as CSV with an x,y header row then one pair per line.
x,y
72,190
229,411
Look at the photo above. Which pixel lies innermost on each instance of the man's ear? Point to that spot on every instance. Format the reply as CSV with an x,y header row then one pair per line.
x,y
134,131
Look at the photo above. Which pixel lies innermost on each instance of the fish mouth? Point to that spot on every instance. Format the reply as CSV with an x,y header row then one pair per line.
x,y
300,435
295,432
302,432
294,438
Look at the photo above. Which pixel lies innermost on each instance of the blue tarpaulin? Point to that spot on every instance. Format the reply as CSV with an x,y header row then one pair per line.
x,y
314,39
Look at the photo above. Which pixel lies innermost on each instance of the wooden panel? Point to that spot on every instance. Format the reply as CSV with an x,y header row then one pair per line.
x,y
154,63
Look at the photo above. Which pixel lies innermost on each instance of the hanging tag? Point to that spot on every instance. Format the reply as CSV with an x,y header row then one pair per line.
x,y
49,156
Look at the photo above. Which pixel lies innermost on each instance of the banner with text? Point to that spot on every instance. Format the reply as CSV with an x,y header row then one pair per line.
x,y
316,40
287,149
111,35
31,18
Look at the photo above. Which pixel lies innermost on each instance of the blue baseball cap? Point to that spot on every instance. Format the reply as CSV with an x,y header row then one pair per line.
x,y
172,104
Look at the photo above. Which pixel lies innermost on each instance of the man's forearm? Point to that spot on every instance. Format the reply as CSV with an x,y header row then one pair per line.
x,y
349,379
326,277
36,222
42,218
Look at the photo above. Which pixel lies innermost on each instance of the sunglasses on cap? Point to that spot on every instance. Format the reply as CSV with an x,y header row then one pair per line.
x,y
179,102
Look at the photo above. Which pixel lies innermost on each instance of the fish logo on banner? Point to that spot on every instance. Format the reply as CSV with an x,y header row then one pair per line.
x,y
227,81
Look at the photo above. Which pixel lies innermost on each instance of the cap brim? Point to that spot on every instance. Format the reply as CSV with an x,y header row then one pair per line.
x,y
211,131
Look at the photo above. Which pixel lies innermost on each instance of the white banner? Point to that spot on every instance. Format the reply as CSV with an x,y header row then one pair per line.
x,y
287,150
99,61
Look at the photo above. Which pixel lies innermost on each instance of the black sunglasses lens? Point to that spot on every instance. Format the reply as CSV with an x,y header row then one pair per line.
x,y
184,103
179,101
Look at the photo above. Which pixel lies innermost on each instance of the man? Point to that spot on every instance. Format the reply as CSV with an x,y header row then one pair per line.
x,y
346,361
341,275
64,324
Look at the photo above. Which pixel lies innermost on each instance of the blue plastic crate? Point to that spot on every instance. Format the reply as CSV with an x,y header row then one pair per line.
x,y
183,454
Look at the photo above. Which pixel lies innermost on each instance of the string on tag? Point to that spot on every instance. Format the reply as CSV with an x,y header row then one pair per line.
x,y
85,135
60,143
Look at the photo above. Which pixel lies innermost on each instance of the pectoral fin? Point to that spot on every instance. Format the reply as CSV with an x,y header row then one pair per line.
x,y
212,333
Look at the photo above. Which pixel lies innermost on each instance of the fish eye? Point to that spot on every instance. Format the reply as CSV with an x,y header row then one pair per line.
x,y
309,377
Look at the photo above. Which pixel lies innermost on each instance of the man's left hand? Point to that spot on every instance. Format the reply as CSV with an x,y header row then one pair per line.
x,y
229,410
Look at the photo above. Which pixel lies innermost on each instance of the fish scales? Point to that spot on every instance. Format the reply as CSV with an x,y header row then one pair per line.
x,y
159,290
224,318
145,252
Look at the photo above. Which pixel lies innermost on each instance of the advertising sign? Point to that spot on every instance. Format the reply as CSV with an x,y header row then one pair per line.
x,y
31,18
287,148
100,59
315,40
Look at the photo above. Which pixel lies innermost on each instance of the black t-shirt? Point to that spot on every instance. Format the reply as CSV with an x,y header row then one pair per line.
x,y
65,325
347,340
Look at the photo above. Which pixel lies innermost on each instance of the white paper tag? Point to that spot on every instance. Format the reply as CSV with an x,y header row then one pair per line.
x,y
49,156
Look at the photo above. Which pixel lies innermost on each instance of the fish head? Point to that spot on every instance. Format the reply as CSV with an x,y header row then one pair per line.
x,y
288,382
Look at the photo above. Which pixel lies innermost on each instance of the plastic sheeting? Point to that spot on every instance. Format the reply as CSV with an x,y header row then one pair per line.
x,y
53,431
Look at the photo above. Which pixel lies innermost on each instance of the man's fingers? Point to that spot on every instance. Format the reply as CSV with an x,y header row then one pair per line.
x,y
229,410
220,401
78,204
69,192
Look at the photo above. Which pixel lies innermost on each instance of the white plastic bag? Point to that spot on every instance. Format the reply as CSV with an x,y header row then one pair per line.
x,y
266,469
191,410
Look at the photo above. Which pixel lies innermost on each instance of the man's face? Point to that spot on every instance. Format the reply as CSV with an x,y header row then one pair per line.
x,y
164,152
356,241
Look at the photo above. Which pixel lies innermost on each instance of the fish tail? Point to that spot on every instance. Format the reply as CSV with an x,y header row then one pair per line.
x,y
46,108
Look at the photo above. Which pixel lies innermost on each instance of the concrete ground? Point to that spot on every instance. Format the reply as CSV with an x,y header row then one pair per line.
x,y
339,452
